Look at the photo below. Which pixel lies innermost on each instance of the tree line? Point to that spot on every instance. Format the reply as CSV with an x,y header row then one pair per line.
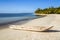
x,y
50,10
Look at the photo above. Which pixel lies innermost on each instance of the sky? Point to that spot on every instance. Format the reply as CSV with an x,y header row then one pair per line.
x,y
23,6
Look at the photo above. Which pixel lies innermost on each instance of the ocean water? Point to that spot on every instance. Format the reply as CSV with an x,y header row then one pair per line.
x,y
10,17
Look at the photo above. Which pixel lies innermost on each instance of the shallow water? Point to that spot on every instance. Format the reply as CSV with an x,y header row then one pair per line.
x,y
9,17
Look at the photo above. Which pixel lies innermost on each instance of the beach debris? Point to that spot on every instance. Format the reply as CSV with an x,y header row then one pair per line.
x,y
33,28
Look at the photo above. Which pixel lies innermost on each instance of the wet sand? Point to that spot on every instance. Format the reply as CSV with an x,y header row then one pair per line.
x,y
53,34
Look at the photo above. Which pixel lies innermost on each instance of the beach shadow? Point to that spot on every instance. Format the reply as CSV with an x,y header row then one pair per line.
x,y
48,31
52,31
4,26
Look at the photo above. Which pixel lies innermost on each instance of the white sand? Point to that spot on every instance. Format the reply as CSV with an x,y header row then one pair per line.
x,y
50,20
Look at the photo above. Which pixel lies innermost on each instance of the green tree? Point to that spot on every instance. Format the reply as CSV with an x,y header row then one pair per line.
x,y
50,10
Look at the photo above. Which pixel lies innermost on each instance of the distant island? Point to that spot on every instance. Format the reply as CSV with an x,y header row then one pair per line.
x,y
50,10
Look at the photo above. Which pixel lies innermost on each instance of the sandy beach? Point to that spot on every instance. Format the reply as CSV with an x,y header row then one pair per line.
x,y
49,20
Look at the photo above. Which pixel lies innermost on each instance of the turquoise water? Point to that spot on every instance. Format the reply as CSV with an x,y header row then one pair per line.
x,y
10,17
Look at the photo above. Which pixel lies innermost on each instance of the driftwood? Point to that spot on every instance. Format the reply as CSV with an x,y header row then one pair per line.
x,y
35,28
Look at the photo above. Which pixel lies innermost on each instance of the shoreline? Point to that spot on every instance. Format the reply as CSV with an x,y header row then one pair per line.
x,y
53,34
1,24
